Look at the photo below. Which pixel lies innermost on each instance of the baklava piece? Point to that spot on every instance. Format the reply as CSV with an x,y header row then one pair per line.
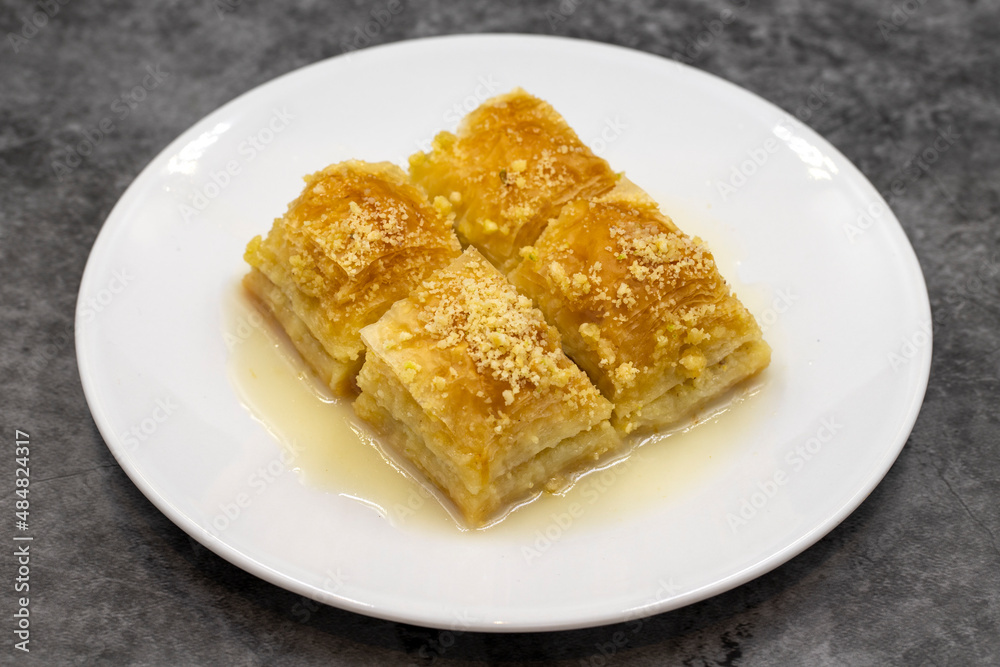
x,y
512,165
467,381
641,308
357,239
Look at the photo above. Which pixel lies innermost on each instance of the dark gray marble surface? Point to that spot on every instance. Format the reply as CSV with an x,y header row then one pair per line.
x,y
912,577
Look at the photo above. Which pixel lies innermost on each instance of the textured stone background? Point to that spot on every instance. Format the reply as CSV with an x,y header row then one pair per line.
x,y
912,577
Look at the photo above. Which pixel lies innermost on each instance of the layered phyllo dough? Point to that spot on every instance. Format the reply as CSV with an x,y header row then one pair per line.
x,y
578,314
466,380
356,240
641,308
511,166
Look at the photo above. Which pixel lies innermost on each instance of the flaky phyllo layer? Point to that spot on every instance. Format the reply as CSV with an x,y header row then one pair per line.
x,y
356,240
472,384
510,167
641,306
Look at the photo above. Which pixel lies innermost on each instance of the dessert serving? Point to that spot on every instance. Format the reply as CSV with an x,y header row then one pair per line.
x,y
641,306
511,166
578,313
466,379
356,240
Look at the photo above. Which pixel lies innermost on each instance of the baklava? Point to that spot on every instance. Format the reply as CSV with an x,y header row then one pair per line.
x,y
641,308
468,382
511,166
357,239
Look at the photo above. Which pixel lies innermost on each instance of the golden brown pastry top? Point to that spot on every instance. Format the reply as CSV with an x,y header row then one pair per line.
x,y
353,213
354,241
513,163
628,288
480,357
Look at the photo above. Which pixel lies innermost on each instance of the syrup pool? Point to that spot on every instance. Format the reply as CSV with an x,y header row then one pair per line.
x,y
332,449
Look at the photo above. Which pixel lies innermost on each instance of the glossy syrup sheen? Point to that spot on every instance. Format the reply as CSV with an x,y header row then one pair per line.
x,y
332,449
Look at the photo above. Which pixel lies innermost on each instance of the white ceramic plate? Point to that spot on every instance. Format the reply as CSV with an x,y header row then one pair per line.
x,y
804,237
